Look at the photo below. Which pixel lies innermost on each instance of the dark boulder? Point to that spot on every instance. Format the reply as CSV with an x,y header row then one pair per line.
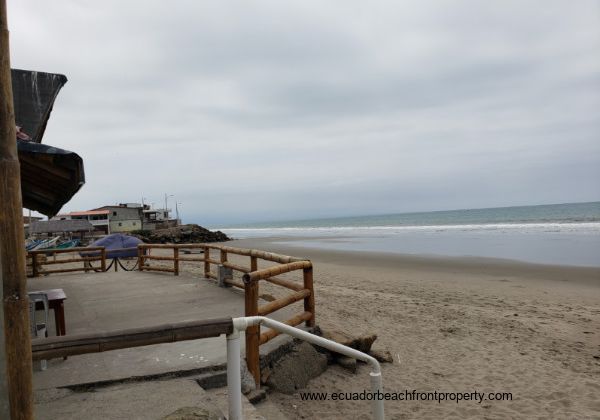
x,y
184,234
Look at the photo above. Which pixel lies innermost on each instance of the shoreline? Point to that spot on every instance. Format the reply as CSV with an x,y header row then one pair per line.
x,y
471,264
456,325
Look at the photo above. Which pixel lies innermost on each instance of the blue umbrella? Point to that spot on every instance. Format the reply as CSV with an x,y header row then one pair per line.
x,y
117,246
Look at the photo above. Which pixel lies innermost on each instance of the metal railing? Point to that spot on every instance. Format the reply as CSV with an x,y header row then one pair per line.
x,y
233,361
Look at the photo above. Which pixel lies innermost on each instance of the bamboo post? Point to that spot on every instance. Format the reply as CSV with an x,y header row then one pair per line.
x,y
206,262
34,266
223,256
12,248
309,301
4,405
252,333
176,261
253,264
140,259
103,259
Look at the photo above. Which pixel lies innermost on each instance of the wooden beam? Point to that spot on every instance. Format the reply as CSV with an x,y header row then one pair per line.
x,y
276,270
206,261
70,345
283,302
12,247
309,301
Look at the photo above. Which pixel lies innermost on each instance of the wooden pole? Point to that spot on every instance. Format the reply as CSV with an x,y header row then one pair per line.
x,y
102,259
140,259
176,261
309,301
4,405
34,266
206,262
12,247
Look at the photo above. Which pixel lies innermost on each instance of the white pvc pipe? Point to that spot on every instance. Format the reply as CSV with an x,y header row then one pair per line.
x,y
234,378
240,324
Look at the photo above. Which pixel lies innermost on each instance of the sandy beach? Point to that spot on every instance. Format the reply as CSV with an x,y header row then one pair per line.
x,y
458,325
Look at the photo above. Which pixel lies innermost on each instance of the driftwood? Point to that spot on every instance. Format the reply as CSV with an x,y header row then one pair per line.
x,y
361,343
382,356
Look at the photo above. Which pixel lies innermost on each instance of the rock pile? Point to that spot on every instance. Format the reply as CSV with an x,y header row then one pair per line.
x,y
184,234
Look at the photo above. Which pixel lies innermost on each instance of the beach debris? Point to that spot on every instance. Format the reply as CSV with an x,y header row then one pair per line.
x,y
348,363
361,343
382,356
295,369
186,234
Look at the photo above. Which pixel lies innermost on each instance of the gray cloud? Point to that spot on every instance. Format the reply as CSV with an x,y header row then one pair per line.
x,y
260,110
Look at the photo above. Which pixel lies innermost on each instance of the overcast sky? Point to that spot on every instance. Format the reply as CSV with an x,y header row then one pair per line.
x,y
271,110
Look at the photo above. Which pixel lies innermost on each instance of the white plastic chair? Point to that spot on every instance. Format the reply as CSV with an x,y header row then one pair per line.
x,y
38,329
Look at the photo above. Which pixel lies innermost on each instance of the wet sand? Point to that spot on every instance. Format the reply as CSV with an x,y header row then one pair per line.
x,y
458,325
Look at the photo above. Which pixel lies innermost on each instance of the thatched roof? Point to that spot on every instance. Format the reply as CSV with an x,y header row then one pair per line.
x,y
49,176
58,226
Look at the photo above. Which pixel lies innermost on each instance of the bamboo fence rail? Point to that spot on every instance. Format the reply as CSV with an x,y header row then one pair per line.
x,y
251,277
87,258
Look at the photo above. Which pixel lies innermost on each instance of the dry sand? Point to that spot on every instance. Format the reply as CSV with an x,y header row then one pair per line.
x,y
458,325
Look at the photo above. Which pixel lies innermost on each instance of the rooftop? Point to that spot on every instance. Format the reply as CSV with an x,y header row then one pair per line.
x,y
88,213
57,226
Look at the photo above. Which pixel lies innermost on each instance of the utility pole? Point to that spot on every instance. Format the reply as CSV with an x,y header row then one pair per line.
x,y
166,203
16,351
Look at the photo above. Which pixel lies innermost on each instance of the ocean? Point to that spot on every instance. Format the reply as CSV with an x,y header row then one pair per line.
x,y
566,234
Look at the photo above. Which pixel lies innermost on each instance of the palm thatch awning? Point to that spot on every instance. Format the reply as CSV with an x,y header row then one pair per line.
x,y
49,176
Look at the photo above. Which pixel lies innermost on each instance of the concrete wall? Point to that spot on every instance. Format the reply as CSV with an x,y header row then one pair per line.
x,y
117,214
125,225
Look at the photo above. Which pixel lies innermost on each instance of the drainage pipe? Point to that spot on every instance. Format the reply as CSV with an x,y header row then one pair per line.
x,y
240,324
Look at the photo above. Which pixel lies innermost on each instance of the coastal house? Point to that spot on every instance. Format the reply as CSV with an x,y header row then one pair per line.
x,y
123,217
99,219
157,218
68,229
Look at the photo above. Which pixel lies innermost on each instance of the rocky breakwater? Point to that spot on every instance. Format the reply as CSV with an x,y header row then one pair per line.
x,y
184,234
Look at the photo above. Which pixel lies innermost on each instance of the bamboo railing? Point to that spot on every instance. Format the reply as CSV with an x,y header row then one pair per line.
x,y
251,278
94,253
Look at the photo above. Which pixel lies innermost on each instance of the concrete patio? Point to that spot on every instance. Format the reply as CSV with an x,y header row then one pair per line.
x,y
112,301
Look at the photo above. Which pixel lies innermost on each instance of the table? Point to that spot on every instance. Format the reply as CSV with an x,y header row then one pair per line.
x,y
56,299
